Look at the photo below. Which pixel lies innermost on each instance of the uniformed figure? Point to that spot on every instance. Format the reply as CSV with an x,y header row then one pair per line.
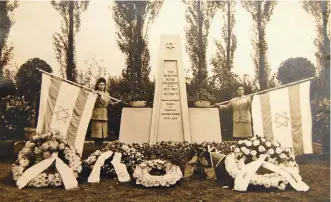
x,y
99,119
242,120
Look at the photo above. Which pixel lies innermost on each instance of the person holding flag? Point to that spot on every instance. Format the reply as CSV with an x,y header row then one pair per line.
x,y
242,120
99,119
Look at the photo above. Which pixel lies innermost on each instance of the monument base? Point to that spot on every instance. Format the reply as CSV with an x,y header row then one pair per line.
x,y
136,123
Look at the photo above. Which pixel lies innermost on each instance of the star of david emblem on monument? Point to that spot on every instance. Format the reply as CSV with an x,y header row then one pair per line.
x,y
170,45
62,114
281,120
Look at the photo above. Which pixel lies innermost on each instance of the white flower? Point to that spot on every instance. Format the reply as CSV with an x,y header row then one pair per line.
x,y
271,151
256,143
37,150
247,152
248,143
261,149
237,150
276,144
253,138
263,140
271,160
282,156
61,146
240,142
253,153
281,186
44,146
243,149
267,184
268,144
254,158
125,147
46,155
278,150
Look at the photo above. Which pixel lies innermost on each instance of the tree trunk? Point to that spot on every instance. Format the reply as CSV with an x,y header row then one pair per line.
x,y
261,68
200,42
2,25
131,51
326,44
229,38
139,47
70,53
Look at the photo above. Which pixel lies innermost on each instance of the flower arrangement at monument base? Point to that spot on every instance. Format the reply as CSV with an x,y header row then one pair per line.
x,y
178,154
277,164
157,173
42,147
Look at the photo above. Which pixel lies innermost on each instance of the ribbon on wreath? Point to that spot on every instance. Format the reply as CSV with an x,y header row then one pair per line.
x,y
243,177
95,174
66,173
120,168
215,156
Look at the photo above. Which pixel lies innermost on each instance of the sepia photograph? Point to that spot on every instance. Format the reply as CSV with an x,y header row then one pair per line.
x,y
164,100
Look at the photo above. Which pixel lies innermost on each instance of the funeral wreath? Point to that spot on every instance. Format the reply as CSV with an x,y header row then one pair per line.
x,y
249,150
41,147
146,173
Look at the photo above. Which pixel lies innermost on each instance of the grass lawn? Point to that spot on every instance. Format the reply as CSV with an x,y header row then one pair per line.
x,y
316,173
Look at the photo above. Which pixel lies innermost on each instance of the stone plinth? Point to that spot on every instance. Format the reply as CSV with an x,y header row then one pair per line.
x,y
136,122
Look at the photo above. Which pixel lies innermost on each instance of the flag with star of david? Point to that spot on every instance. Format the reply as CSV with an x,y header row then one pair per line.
x,y
284,115
65,107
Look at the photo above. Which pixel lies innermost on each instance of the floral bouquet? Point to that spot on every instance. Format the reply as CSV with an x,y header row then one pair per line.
x,y
41,147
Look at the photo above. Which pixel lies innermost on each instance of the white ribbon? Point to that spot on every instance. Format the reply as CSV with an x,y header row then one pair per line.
x,y
293,178
66,173
120,168
95,174
35,170
243,177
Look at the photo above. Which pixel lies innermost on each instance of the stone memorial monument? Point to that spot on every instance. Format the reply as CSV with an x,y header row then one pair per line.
x,y
170,118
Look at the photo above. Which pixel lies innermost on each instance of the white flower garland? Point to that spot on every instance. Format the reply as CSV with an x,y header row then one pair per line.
x,y
144,178
41,147
250,150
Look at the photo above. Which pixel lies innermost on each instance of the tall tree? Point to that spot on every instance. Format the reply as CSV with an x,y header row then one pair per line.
x,y
6,22
321,12
223,60
133,19
261,12
64,41
199,16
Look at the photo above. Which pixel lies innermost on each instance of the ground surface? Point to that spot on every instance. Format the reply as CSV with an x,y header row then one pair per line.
x,y
316,173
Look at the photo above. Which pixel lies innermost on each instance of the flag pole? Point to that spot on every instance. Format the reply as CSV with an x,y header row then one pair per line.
x,y
71,82
271,89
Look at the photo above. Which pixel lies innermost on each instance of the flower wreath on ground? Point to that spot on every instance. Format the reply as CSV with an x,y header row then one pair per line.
x,y
134,154
156,173
41,147
130,157
249,150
